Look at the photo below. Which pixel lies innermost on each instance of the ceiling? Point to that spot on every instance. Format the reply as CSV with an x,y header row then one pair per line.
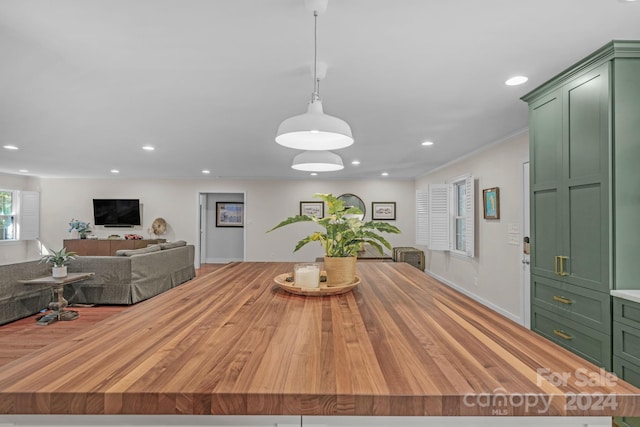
x,y
84,84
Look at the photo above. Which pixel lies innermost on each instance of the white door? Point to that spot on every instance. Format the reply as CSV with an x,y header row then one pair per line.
x,y
526,272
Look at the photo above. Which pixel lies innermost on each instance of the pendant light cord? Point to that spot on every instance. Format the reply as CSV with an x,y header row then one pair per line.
x,y
316,90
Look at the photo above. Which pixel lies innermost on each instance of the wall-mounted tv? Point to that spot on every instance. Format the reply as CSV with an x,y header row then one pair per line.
x,y
116,212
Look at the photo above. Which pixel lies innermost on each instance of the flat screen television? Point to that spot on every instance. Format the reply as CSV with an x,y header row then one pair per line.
x,y
116,212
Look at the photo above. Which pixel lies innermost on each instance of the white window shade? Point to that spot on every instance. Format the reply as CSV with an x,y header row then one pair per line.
x,y
439,216
422,217
29,216
470,216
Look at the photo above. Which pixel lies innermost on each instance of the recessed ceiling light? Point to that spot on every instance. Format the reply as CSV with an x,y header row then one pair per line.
x,y
517,80
148,147
427,143
314,174
23,170
355,162
115,171
9,147
385,174
206,171
627,1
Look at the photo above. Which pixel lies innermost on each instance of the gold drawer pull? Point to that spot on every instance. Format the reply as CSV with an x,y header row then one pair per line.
x,y
563,300
562,334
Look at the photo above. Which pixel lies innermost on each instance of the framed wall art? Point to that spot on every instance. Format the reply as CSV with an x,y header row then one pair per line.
x,y
312,209
491,201
229,214
383,211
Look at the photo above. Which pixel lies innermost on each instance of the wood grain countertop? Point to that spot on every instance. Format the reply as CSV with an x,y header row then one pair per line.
x,y
232,343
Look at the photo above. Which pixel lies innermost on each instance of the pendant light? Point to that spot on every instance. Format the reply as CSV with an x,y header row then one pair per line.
x,y
315,130
317,161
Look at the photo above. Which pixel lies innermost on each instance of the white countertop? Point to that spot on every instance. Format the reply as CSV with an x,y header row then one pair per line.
x,y
631,295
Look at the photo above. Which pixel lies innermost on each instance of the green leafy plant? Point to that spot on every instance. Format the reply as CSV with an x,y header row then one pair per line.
x,y
344,231
58,258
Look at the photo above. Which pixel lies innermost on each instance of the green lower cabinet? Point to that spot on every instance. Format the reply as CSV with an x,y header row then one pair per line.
x,y
626,342
626,347
584,306
631,374
591,344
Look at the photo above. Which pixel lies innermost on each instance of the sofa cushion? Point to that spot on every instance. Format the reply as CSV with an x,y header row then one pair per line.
x,y
132,252
171,245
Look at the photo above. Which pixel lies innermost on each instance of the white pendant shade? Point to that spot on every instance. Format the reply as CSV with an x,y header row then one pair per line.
x,y
314,130
317,161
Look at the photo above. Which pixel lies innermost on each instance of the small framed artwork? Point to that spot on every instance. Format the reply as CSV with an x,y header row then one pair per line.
x,y
491,201
312,209
229,214
383,210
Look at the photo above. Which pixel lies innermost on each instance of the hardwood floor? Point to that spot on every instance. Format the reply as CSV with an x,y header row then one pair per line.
x,y
23,337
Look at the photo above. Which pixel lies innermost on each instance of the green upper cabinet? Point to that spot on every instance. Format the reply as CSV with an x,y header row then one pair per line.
x,y
545,124
569,139
626,194
585,181
585,217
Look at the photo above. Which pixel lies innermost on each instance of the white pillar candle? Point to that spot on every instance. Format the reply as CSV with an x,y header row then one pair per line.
x,y
306,275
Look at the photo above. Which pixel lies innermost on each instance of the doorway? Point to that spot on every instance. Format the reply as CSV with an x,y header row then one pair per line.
x,y
220,243
526,264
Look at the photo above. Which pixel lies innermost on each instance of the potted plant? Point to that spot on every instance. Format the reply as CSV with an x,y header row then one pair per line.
x,y
58,260
344,233
83,228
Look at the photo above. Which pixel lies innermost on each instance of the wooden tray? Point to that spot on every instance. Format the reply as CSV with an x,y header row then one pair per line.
x,y
322,290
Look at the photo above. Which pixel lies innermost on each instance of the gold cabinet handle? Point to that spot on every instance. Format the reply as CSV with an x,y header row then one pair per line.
x,y
563,300
556,268
562,334
562,264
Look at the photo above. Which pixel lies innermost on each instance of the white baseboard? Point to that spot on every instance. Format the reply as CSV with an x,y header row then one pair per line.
x,y
222,260
481,300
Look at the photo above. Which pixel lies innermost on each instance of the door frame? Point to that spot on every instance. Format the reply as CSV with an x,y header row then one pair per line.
x,y
525,277
201,226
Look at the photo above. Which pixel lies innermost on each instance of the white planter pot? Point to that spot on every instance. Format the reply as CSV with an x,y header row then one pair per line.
x,y
58,272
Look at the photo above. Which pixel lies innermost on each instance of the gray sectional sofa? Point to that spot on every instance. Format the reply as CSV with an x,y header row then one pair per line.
x,y
128,278
133,275
18,300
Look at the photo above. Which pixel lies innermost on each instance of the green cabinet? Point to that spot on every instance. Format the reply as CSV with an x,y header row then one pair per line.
x,y
584,133
569,139
626,346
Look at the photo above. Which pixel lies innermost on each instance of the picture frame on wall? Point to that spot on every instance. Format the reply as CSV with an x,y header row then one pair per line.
x,y
491,202
383,211
229,214
312,209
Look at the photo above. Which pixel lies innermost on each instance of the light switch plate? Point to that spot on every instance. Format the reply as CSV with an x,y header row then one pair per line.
x,y
513,239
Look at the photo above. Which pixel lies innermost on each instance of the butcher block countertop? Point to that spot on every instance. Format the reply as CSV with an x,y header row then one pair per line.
x,y
233,343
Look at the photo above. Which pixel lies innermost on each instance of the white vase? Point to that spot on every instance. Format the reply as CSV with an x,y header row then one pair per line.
x,y
58,272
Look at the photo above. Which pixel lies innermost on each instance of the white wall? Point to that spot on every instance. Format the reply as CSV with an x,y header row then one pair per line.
x,y
494,275
267,202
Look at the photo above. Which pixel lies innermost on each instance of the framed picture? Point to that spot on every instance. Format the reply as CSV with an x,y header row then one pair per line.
x,y
312,209
383,210
491,201
229,214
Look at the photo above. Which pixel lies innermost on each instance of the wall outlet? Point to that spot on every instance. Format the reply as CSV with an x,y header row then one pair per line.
x,y
513,239
475,281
